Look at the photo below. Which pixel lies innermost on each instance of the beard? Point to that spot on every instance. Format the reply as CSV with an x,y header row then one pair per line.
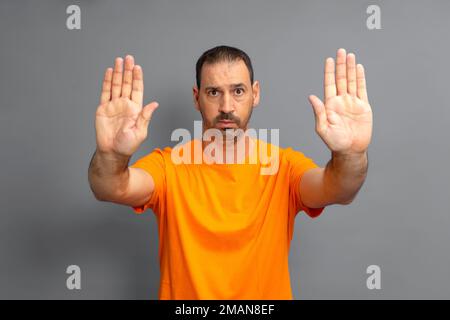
x,y
240,123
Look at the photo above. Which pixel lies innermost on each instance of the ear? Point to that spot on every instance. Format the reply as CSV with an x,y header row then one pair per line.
x,y
256,91
195,94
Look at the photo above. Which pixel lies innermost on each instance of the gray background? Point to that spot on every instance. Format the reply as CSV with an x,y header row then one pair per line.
x,y
49,91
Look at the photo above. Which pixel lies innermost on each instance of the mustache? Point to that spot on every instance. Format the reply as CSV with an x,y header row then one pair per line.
x,y
227,116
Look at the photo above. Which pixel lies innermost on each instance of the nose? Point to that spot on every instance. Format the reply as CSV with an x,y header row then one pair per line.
x,y
226,104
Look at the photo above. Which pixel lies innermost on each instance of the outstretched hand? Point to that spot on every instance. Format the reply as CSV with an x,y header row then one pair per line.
x,y
344,119
121,122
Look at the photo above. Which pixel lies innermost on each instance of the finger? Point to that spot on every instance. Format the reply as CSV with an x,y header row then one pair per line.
x,y
341,72
117,78
319,112
329,84
361,83
106,86
128,77
145,116
351,74
137,93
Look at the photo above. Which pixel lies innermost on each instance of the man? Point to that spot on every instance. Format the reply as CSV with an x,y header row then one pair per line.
x,y
224,228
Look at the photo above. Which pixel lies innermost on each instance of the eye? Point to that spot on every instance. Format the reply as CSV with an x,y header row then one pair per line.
x,y
239,91
212,92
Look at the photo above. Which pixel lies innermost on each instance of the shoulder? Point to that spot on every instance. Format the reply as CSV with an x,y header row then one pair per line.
x,y
292,154
155,156
287,153
295,159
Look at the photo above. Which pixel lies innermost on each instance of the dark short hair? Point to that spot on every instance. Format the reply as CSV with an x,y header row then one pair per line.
x,y
219,54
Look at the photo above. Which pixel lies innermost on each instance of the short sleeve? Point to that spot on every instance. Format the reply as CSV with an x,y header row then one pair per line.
x,y
154,164
298,165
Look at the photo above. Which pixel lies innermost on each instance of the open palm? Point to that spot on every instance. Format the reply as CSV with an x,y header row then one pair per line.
x,y
121,122
344,121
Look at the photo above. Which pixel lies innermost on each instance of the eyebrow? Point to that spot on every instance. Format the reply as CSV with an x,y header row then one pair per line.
x,y
234,85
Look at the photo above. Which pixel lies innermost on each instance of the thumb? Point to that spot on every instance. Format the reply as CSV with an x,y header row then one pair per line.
x,y
146,115
319,112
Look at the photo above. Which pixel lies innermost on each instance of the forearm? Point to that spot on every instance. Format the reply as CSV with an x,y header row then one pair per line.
x,y
344,175
108,176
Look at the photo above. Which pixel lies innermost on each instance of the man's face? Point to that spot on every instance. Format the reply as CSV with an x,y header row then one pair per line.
x,y
226,96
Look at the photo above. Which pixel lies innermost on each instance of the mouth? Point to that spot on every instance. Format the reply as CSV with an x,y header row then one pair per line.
x,y
226,124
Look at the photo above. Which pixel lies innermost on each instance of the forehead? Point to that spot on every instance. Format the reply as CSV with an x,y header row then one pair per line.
x,y
224,73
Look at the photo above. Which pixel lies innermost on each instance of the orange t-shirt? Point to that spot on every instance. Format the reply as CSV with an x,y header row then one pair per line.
x,y
225,229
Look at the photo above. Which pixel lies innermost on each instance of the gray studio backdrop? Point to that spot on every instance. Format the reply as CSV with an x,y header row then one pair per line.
x,y
49,91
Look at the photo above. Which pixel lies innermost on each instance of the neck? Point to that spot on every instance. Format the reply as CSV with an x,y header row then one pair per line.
x,y
235,145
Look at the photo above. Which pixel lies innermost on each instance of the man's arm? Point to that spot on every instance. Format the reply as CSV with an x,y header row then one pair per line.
x,y
337,183
112,180
344,123
121,124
